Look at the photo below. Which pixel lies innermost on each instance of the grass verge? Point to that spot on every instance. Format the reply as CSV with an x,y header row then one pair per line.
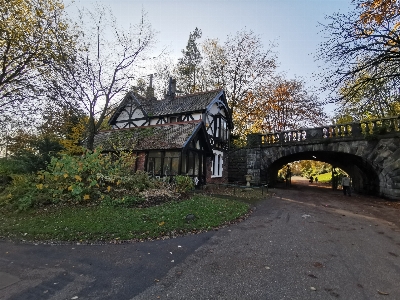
x,y
104,224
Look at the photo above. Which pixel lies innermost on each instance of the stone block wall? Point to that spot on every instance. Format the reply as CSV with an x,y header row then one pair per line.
x,y
254,165
237,165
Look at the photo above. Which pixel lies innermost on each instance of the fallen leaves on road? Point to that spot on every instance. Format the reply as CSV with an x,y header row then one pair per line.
x,y
382,293
318,265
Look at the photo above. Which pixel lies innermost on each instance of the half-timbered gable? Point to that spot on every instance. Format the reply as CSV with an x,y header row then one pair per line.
x,y
207,108
129,113
219,123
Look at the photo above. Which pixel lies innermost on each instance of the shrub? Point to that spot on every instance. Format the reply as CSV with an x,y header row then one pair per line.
x,y
91,177
139,181
67,179
37,158
183,184
83,178
21,193
9,166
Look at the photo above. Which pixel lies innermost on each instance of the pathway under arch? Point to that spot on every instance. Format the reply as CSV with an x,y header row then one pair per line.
x,y
365,178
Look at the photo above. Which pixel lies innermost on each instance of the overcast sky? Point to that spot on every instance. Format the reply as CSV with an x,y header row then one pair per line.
x,y
291,24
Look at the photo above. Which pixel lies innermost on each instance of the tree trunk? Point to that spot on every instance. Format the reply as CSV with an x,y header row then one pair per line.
x,y
91,133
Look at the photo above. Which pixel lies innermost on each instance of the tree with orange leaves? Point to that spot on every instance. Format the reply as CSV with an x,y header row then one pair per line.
x,y
363,41
280,105
375,11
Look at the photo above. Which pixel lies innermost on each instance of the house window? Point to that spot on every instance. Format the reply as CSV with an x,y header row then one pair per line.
x,y
224,130
163,163
154,163
171,164
217,164
191,164
220,128
173,119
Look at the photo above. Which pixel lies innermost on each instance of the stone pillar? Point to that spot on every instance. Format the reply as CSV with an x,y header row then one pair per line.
x,y
356,130
254,164
254,140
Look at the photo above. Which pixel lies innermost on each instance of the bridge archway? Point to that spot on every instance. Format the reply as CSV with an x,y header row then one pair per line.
x,y
373,163
365,178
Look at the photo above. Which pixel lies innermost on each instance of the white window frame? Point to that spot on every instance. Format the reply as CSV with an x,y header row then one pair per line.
x,y
217,164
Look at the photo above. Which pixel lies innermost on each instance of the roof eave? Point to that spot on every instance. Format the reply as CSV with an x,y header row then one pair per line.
x,y
199,127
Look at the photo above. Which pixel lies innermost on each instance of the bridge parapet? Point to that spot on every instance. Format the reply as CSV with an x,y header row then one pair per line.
x,y
355,130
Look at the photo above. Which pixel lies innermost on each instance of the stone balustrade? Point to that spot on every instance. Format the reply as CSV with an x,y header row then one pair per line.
x,y
359,130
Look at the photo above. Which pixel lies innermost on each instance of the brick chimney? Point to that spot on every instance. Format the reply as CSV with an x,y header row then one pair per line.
x,y
150,89
171,88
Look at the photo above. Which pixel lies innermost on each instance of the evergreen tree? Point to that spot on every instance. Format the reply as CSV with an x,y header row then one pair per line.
x,y
189,64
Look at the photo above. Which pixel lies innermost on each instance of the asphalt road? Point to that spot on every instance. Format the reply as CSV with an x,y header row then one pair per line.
x,y
301,243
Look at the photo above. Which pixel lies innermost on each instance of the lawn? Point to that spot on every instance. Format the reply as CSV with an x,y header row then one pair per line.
x,y
325,178
105,224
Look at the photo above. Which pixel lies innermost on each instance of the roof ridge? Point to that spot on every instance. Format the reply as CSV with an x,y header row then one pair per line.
x,y
154,126
198,93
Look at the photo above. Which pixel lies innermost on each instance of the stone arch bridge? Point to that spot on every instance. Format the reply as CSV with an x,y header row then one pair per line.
x,y
368,151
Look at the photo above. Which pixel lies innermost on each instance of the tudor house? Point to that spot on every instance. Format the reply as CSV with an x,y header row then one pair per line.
x,y
185,135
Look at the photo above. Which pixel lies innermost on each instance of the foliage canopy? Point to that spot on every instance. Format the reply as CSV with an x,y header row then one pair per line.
x,y
29,30
362,57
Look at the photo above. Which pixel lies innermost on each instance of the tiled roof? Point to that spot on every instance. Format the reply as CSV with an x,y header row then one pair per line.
x,y
181,104
159,137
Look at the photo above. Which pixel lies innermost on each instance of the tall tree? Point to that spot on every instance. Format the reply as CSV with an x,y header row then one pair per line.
x,y
363,41
239,66
281,105
288,105
103,66
188,66
28,30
